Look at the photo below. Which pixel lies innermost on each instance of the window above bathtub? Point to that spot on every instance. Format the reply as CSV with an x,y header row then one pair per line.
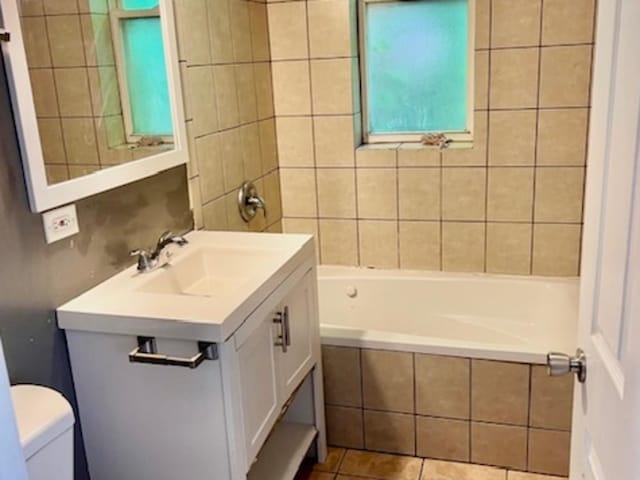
x,y
416,69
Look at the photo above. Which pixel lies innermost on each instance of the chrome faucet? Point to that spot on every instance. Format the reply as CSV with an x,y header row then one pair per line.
x,y
158,257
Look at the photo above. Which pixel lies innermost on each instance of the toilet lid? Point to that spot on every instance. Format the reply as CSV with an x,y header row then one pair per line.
x,y
42,415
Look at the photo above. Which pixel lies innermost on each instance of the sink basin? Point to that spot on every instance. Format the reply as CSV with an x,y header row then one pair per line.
x,y
207,290
209,272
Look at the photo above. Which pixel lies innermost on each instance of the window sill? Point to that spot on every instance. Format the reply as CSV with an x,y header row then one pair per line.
x,y
411,146
163,147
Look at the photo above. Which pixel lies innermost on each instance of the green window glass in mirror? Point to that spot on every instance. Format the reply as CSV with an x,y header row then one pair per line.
x,y
142,69
146,75
139,4
417,66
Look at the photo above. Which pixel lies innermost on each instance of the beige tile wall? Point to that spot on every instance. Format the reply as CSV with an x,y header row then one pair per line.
x,y
73,75
503,414
225,59
511,204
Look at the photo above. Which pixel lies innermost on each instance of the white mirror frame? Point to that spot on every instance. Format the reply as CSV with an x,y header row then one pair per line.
x,y
43,196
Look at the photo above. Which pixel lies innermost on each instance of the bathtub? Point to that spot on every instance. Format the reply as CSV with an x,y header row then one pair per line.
x,y
494,317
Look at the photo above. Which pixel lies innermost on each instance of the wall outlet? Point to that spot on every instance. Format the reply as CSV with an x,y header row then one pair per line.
x,y
60,223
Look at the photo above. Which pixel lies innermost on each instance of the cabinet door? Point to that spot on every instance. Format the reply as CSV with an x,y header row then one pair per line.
x,y
296,326
258,386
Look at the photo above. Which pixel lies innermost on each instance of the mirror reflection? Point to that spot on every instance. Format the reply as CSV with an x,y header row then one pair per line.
x,y
99,81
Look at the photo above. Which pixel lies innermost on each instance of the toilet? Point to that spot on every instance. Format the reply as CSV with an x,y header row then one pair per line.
x,y
45,426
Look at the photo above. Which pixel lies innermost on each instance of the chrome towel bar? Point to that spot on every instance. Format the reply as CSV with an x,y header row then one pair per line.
x,y
147,352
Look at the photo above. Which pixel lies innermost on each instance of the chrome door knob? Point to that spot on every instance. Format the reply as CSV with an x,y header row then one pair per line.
x,y
562,364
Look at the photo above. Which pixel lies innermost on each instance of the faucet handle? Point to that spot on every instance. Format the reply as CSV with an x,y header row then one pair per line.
x,y
168,237
139,253
145,259
164,238
179,240
249,202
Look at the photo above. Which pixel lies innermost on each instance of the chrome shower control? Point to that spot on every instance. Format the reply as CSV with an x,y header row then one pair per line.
x,y
562,364
249,202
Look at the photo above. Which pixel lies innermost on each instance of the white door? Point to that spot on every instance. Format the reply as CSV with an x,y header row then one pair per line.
x,y
12,466
606,436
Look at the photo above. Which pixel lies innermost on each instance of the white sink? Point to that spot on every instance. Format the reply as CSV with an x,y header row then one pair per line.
x,y
206,291
209,272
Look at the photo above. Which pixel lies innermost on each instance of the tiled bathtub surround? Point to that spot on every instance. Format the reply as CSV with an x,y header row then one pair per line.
x,y
511,204
225,60
503,414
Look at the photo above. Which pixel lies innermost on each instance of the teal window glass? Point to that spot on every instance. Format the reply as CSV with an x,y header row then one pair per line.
x,y
417,62
139,4
146,76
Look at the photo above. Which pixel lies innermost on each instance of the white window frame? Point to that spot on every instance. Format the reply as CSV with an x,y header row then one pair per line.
x,y
455,136
117,15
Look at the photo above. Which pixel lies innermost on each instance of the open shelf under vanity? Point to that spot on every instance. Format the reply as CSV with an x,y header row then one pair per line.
x,y
284,451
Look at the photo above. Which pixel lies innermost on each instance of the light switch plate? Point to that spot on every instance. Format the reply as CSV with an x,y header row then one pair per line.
x,y
60,223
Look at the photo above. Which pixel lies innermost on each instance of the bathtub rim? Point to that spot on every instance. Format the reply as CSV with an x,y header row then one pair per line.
x,y
339,336
342,272
334,336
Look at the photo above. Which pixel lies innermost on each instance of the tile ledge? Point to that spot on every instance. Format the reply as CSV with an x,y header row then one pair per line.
x,y
412,146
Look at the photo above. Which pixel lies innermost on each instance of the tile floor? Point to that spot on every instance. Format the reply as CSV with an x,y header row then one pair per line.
x,y
344,464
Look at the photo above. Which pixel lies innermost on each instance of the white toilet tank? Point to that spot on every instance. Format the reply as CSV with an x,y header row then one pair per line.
x,y
45,425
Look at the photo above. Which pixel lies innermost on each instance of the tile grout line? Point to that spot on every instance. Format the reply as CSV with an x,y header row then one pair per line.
x,y
253,87
341,461
487,143
86,68
470,429
453,419
441,219
422,472
397,174
537,137
362,403
413,220
341,114
529,396
357,217
313,132
415,404
584,180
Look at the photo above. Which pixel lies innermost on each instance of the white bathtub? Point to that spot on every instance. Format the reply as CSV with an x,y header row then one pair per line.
x,y
497,317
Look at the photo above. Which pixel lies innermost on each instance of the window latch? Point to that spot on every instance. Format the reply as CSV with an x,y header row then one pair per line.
x,y
5,36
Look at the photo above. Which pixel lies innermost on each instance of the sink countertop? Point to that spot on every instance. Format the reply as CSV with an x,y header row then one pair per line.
x,y
126,304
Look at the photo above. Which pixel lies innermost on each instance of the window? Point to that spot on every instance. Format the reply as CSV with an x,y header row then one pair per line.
x,y
142,72
416,69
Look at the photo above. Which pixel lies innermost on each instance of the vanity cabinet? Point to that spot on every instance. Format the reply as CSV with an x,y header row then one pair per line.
x,y
274,356
251,410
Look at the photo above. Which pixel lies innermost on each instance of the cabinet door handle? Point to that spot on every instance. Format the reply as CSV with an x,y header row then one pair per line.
x,y
284,338
287,327
147,352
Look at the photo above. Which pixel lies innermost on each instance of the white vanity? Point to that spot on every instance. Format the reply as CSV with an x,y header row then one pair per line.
x,y
207,368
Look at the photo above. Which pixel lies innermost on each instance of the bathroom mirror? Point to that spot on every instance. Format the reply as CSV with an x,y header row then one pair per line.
x,y
96,93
